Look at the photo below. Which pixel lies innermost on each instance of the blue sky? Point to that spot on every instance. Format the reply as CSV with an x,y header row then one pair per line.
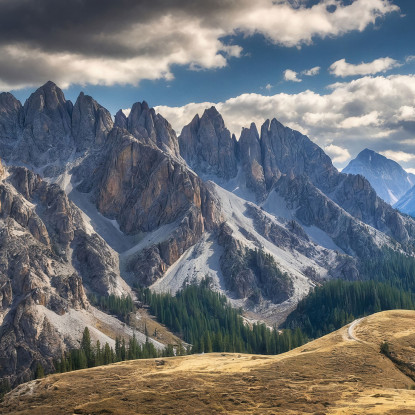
x,y
229,59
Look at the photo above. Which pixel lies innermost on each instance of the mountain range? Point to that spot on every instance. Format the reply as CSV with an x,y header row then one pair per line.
x,y
89,205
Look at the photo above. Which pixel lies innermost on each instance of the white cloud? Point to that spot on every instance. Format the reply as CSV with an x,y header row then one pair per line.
x,y
410,170
399,156
268,87
362,121
353,115
342,69
405,113
186,36
312,71
126,111
290,75
337,154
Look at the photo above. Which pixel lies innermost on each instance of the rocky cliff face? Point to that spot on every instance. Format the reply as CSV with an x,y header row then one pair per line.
x,y
144,124
252,163
46,130
207,146
144,188
91,123
47,257
10,123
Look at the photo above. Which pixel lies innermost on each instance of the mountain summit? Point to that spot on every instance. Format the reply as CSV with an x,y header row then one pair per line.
x,y
386,176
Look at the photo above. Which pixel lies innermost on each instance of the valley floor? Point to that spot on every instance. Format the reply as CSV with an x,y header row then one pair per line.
x,y
341,373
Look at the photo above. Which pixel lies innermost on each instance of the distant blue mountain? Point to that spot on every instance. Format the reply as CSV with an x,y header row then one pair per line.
x,y
386,176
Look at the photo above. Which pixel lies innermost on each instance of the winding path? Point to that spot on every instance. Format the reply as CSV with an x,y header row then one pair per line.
x,y
350,330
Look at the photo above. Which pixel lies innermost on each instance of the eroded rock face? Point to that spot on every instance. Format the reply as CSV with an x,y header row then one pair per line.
x,y
251,159
10,123
144,188
251,273
91,123
46,134
144,124
34,276
41,237
313,207
207,146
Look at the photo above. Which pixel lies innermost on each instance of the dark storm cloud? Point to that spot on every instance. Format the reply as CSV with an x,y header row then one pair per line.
x,y
90,26
107,42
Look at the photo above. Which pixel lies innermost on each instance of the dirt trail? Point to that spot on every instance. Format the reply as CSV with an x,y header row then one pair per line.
x,y
350,330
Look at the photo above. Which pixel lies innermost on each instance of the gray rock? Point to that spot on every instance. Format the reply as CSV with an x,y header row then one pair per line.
x,y
144,124
91,123
207,146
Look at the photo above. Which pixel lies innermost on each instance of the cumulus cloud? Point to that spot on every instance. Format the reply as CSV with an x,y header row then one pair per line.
x,y
405,113
366,112
127,41
342,69
312,71
363,121
290,75
337,154
399,156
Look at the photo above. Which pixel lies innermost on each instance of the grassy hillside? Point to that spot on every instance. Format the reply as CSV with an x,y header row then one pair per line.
x,y
341,373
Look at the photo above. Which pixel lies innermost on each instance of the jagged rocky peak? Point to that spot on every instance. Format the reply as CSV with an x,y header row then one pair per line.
x,y
251,158
49,99
9,108
47,127
144,123
291,152
91,123
208,147
386,176
120,120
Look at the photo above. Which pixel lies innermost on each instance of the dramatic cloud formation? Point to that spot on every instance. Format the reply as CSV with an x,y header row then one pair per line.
x,y
106,42
292,76
372,112
342,69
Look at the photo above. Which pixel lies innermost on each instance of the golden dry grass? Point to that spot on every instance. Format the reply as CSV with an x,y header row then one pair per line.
x,y
332,375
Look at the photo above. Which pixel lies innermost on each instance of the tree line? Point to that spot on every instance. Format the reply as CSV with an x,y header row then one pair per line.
x,y
92,355
205,319
338,302
120,306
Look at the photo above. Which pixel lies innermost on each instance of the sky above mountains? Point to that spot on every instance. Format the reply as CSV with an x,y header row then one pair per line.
x,y
342,72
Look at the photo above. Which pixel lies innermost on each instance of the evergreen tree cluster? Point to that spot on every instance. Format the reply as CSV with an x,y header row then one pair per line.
x,y
120,306
394,268
204,319
89,355
271,279
339,302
